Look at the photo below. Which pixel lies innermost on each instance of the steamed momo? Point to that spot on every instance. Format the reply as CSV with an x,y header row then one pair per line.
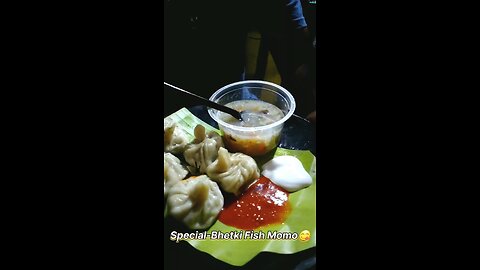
x,y
195,201
174,139
203,150
173,171
234,172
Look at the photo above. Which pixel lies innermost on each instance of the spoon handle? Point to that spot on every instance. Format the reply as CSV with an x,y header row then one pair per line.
x,y
208,103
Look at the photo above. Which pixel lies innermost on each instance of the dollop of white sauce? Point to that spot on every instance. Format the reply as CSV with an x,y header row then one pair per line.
x,y
287,172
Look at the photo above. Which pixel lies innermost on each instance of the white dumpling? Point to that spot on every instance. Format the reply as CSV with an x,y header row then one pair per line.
x,y
173,171
203,150
234,172
195,201
174,138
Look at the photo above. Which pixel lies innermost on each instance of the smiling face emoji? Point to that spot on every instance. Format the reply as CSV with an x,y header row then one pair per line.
x,y
304,235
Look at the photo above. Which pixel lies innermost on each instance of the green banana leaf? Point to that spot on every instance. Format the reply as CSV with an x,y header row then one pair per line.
x,y
302,216
186,121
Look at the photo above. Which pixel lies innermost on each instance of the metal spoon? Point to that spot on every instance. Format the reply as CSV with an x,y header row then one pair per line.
x,y
209,103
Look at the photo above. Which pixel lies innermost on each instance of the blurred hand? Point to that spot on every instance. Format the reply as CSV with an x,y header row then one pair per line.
x,y
312,117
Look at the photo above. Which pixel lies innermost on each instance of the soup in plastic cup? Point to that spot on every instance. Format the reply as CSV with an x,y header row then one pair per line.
x,y
265,107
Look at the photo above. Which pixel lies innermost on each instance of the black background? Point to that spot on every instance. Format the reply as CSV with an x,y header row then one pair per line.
x,y
85,84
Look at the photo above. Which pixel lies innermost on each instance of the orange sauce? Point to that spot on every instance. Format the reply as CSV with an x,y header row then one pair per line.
x,y
263,203
251,147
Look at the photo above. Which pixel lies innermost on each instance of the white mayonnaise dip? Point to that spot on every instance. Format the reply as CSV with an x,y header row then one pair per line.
x,y
287,172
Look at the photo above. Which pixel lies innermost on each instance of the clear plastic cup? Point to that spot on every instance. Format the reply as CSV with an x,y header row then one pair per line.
x,y
254,140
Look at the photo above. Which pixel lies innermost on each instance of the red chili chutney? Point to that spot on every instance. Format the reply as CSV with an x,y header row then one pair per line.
x,y
263,203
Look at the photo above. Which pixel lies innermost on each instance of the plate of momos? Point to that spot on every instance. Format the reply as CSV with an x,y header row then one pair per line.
x,y
199,172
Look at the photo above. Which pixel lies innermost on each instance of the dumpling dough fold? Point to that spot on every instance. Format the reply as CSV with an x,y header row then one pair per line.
x,y
234,172
203,150
173,171
174,138
195,201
